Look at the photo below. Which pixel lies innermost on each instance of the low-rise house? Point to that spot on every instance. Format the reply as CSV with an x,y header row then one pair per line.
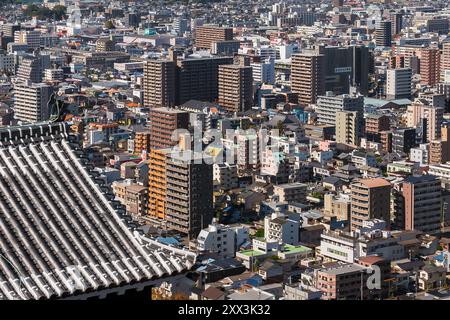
x,y
431,277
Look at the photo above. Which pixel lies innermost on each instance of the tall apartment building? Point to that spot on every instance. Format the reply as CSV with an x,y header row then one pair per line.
x,y
157,183
308,76
422,204
163,123
370,200
30,37
403,140
235,88
383,34
375,123
398,83
329,104
440,149
445,59
397,22
105,45
30,69
54,75
198,78
386,140
347,127
430,66
189,201
159,83
132,19
425,109
264,72
9,29
142,141
31,101
206,35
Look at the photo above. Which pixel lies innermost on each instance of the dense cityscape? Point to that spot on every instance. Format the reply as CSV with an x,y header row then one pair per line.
x,y
225,150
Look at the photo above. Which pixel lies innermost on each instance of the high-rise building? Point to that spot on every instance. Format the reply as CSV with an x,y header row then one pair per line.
x,y
397,22
7,62
180,26
370,200
345,67
206,35
163,123
31,101
228,48
53,75
197,77
386,140
189,204
308,76
159,83
132,20
264,72
430,64
375,123
440,149
424,109
9,29
439,25
235,87
30,37
445,59
383,34
422,197
142,142
329,104
398,83
105,45
157,182
403,140
30,70
347,127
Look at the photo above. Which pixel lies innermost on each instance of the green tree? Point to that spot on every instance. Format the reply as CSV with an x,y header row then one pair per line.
x,y
259,233
109,25
59,12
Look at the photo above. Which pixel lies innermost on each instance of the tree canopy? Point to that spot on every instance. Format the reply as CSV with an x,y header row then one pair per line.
x,y
42,13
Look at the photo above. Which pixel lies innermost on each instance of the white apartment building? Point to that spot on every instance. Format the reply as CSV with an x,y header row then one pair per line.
x,y
225,175
31,102
420,154
53,75
264,72
221,239
440,170
282,228
329,104
347,247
